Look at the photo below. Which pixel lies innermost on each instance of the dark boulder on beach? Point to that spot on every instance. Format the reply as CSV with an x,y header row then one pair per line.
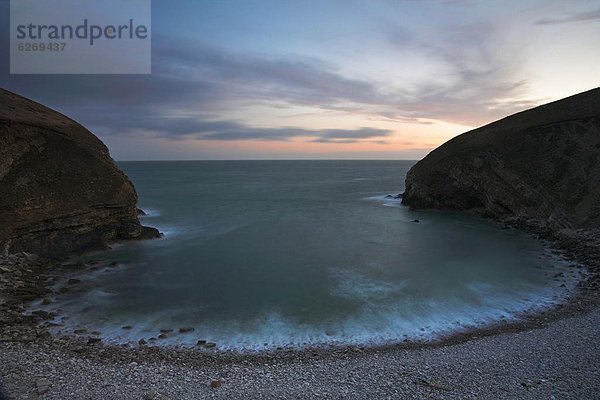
x,y
540,166
61,192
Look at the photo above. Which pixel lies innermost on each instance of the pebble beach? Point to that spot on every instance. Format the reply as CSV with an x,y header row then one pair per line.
x,y
551,354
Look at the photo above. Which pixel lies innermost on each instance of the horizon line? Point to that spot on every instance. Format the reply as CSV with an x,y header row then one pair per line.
x,y
274,159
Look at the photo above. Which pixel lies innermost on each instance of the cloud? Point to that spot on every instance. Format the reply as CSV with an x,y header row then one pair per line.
x,y
308,82
361,133
190,78
224,130
585,16
481,77
352,136
195,86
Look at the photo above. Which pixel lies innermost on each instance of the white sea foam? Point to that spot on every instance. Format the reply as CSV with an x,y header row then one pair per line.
x,y
386,200
354,285
386,317
150,212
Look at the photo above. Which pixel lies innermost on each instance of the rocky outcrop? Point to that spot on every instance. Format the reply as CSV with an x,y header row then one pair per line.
x,y
60,191
541,165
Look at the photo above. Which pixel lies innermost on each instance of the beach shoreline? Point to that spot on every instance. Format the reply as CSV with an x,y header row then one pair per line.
x,y
22,334
34,296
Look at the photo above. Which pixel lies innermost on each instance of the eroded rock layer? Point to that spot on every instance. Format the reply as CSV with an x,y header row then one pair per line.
x,y
60,191
541,165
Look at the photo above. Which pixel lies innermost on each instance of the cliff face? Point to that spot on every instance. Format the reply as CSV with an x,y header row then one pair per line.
x,y
541,165
60,192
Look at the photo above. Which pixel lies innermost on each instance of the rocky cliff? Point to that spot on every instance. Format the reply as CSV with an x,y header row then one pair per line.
x,y
60,191
540,166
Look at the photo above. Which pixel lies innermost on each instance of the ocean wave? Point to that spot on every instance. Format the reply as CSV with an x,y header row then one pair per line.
x,y
386,197
150,212
387,200
388,316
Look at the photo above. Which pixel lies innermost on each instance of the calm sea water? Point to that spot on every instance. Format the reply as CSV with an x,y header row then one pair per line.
x,y
260,254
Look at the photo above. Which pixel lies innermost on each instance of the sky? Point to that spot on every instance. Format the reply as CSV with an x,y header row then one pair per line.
x,y
308,79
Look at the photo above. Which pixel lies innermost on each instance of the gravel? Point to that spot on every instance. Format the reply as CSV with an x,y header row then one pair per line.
x,y
559,361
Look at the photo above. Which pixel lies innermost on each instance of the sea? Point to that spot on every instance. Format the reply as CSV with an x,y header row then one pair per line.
x,y
260,255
